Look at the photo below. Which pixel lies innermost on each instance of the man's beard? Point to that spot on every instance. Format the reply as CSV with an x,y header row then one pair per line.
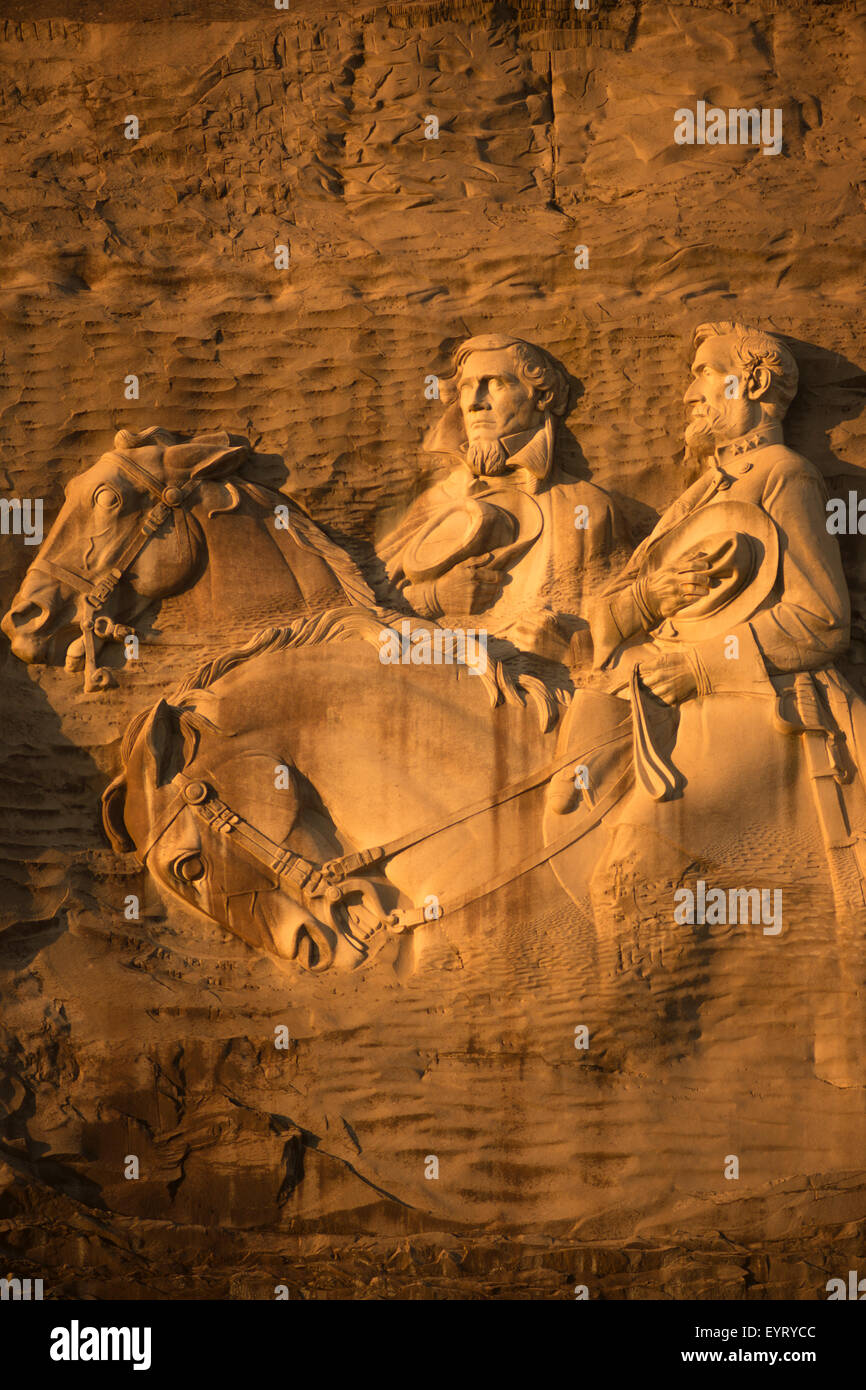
x,y
701,432
487,459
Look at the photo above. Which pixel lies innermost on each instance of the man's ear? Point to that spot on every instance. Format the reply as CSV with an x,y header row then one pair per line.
x,y
758,383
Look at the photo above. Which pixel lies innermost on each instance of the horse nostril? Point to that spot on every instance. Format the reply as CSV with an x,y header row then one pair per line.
x,y
27,614
23,624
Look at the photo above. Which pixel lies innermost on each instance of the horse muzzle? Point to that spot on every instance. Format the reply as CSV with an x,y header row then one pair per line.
x,y
38,630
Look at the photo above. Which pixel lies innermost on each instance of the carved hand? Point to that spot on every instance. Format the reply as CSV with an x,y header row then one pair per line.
x,y
675,586
669,677
422,600
541,634
469,587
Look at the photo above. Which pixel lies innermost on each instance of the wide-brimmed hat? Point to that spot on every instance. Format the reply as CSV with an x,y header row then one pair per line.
x,y
504,522
463,529
741,542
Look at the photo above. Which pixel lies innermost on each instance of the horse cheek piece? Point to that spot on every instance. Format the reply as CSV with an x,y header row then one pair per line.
x,y
97,624
351,908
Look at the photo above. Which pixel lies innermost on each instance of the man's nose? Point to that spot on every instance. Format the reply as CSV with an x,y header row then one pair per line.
x,y
480,397
693,393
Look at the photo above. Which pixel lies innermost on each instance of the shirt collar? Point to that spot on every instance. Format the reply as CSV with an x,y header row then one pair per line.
x,y
730,456
531,450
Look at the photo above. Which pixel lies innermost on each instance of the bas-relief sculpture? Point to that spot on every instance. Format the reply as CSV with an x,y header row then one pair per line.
x,y
376,833
707,710
139,526
716,709
339,814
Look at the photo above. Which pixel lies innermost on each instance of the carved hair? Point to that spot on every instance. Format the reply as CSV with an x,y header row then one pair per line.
x,y
537,368
753,348
138,439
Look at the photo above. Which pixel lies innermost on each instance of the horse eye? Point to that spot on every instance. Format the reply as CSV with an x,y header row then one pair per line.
x,y
189,869
106,497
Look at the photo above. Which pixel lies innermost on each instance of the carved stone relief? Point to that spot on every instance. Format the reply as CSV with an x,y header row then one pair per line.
x,y
440,808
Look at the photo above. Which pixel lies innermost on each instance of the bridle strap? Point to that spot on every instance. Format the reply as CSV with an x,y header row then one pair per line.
x,y
405,921
51,567
168,500
138,473
350,863
200,797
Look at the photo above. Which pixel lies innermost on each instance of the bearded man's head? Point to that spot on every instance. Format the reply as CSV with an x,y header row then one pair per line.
x,y
741,378
506,387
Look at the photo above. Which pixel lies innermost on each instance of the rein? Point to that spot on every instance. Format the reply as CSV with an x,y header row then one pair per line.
x,y
326,885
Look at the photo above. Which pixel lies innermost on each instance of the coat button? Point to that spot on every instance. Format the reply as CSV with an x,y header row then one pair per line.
x,y
172,496
196,792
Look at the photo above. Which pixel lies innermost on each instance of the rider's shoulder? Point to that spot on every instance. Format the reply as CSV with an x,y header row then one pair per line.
x,y
782,464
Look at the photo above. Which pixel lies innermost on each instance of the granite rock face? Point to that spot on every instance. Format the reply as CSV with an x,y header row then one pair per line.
x,y
154,257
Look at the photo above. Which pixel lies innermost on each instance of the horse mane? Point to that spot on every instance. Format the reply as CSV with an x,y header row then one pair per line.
x,y
153,434
340,624
299,528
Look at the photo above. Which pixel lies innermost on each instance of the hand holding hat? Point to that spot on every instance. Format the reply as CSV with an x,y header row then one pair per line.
x,y
663,592
709,572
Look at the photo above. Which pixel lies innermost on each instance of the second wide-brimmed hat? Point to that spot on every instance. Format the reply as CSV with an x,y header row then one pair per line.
x,y
741,543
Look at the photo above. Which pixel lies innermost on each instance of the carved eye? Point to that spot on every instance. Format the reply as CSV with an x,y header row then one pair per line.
x,y
106,497
189,869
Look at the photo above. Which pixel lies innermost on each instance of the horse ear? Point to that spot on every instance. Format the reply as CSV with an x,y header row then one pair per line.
x,y
223,463
113,806
171,739
208,456
161,739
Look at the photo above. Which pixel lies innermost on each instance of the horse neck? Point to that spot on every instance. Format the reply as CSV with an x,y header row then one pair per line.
x,y
246,581
432,746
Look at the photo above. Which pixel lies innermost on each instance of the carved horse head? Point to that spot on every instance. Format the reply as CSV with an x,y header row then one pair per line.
x,y
98,563
131,531
255,797
211,814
